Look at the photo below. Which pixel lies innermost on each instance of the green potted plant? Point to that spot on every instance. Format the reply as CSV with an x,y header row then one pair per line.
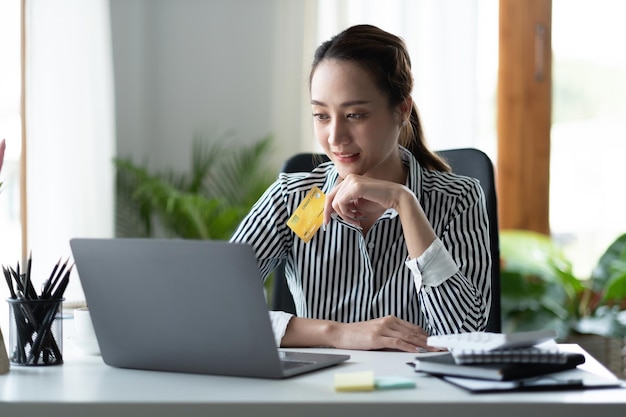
x,y
207,202
540,290
532,296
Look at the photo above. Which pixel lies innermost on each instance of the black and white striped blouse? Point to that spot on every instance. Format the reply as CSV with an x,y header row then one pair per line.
x,y
345,276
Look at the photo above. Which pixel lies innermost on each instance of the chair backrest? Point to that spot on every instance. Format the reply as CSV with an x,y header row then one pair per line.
x,y
476,164
467,161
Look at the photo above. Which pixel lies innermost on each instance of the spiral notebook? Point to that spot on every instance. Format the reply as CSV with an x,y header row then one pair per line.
x,y
531,355
446,365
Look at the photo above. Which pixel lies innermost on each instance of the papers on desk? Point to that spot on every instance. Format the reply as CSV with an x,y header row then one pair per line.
x,y
510,377
573,379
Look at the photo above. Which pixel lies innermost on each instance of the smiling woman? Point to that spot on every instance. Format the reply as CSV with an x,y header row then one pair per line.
x,y
405,250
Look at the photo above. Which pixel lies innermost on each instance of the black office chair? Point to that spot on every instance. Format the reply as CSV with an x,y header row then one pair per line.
x,y
467,161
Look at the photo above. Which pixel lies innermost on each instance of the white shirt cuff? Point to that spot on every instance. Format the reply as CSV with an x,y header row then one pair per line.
x,y
432,267
279,320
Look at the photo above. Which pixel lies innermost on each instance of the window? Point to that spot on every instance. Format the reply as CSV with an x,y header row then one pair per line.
x,y
588,137
11,131
70,131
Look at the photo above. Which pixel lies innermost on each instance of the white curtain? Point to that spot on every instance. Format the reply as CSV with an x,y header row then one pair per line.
x,y
70,129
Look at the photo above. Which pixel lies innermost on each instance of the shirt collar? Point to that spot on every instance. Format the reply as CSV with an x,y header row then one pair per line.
x,y
413,179
331,178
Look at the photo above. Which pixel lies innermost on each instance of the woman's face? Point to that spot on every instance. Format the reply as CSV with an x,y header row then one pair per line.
x,y
353,121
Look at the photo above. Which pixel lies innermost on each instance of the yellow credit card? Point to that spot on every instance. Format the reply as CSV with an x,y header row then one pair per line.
x,y
309,215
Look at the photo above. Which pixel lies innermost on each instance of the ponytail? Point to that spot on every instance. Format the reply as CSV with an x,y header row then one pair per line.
x,y
412,137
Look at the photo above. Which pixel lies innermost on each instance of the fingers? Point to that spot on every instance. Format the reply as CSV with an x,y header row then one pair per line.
x,y
350,212
340,204
401,335
349,201
385,333
405,336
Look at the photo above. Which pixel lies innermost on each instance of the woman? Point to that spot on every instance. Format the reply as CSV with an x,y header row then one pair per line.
x,y
404,251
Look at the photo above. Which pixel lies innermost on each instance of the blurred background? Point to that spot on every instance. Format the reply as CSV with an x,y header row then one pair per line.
x,y
142,79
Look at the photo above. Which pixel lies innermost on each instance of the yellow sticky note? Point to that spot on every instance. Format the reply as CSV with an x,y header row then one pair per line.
x,y
355,381
309,215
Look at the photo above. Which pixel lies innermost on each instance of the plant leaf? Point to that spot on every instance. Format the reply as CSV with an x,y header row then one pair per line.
x,y
208,202
616,288
611,264
532,253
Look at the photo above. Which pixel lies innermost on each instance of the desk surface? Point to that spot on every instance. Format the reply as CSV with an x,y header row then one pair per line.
x,y
84,385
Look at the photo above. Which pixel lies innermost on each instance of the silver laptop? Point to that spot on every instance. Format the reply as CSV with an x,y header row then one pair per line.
x,y
184,306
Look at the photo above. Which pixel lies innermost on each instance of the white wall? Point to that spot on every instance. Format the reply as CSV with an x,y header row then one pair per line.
x,y
241,66
206,66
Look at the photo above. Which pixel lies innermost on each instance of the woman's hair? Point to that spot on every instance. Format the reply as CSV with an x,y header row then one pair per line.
x,y
384,56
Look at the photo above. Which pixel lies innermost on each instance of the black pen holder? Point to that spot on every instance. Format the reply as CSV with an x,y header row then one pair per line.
x,y
35,332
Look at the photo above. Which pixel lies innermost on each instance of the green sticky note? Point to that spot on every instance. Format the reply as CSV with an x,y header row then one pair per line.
x,y
394,382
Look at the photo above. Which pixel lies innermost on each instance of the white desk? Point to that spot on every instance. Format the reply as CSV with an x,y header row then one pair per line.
x,y
85,386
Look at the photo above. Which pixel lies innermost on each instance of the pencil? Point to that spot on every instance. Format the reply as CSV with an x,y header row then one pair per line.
x,y
56,279
7,277
48,282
